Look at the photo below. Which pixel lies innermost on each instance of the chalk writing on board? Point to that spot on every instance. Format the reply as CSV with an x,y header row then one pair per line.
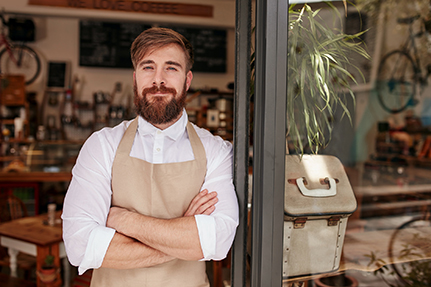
x,y
107,44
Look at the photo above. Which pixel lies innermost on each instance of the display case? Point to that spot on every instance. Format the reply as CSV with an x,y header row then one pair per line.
x,y
51,156
38,156
37,172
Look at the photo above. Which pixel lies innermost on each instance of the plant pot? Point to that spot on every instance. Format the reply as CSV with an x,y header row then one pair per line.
x,y
336,281
47,275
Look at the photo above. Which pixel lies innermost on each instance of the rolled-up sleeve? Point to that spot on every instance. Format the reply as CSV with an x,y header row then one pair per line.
x,y
86,206
217,231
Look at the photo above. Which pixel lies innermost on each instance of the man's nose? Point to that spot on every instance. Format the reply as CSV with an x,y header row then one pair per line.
x,y
159,78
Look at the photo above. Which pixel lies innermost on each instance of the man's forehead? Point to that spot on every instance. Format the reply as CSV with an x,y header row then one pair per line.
x,y
177,57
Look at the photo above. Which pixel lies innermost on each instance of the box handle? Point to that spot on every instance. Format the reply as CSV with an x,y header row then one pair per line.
x,y
319,192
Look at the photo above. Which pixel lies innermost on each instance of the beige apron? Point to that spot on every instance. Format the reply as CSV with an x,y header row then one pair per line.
x,y
162,191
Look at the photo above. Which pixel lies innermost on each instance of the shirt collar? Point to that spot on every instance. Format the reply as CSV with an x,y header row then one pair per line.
x,y
175,131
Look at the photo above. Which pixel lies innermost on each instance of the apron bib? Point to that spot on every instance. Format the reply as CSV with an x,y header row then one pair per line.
x,y
162,191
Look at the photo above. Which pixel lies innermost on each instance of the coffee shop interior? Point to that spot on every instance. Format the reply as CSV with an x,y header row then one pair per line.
x,y
76,78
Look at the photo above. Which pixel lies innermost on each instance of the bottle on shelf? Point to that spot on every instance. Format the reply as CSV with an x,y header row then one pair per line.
x,y
67,116
52,129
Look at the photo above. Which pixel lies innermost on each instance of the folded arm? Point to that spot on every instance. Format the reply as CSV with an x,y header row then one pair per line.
x,y
127,253
177,237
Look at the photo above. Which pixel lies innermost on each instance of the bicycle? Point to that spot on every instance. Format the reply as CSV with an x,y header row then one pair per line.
x,y
400,73
18,58
408,249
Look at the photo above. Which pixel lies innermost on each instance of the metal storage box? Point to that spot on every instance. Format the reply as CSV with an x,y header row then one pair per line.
x,y
318,202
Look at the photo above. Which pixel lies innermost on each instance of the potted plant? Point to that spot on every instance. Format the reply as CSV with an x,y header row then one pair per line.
x,y
48,271
319,76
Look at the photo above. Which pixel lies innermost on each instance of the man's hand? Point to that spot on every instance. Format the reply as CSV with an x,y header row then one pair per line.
x,y
203,203
118,218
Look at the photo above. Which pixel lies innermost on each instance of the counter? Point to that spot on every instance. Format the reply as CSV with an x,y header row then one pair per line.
x,y
35,176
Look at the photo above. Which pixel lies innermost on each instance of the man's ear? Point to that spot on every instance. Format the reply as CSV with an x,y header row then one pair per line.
x,y
134,76
189,78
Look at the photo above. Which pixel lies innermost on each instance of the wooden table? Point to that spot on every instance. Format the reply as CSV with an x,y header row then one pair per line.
x,y
32,235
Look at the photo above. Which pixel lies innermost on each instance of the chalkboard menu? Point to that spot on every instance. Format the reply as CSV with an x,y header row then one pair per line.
x,y
57,75
107,44
209,47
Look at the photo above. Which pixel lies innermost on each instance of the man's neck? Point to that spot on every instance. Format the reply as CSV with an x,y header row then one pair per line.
x,y
167,125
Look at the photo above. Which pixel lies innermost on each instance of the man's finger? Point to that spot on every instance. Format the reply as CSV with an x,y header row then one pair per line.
x,y
209,210
199,196
201,202
202,208
201,199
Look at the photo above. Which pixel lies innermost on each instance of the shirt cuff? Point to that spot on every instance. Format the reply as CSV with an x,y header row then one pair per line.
x,y
207,235
98,243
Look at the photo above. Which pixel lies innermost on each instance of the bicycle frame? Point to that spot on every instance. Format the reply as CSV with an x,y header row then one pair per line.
x,y
410,45
21,57
4,42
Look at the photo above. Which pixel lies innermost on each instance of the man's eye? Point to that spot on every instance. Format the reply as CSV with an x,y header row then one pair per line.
x,y
147,68
172,68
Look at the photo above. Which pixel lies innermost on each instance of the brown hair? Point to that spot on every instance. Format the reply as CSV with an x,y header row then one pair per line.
x,y
155,38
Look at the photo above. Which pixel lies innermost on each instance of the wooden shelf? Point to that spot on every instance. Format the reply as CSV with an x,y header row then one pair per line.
x,y
8,158
10,121
35,176
20,141
381,207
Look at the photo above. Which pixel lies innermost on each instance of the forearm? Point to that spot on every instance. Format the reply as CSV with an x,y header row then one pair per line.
x,y
177,237
127,253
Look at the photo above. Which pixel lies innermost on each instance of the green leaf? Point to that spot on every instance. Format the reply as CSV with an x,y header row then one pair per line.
x,y
319,76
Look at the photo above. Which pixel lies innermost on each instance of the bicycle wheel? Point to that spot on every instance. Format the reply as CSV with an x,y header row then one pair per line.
x,y
26,62
409,250
396,81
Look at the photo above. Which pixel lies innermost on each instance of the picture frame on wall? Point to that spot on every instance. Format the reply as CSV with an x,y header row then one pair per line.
x,y
58,75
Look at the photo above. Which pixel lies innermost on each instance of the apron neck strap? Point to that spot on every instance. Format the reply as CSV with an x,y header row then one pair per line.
x,y
126,142
195,142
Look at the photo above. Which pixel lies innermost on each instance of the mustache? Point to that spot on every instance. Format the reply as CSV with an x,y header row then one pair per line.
x,y
159,89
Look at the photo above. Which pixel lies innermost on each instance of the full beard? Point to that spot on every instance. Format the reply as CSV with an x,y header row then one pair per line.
x,y
159,110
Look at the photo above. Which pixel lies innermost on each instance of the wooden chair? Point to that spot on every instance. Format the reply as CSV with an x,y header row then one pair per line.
x,y
11,207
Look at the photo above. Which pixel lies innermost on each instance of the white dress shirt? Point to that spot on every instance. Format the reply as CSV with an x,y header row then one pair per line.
x,y
88,199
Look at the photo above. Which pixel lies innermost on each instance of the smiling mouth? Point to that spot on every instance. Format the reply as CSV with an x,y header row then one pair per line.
x,y
160,94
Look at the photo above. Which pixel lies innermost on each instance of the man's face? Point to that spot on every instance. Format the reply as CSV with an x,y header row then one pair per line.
x,y
161,84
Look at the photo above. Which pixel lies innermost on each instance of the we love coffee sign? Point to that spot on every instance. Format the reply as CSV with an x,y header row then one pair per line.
x,y
170,8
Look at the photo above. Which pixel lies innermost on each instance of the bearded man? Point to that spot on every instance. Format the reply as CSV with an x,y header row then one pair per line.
x,y
152,199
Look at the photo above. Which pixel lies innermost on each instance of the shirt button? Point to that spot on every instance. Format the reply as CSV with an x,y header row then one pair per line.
x,y
159,132
158,149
